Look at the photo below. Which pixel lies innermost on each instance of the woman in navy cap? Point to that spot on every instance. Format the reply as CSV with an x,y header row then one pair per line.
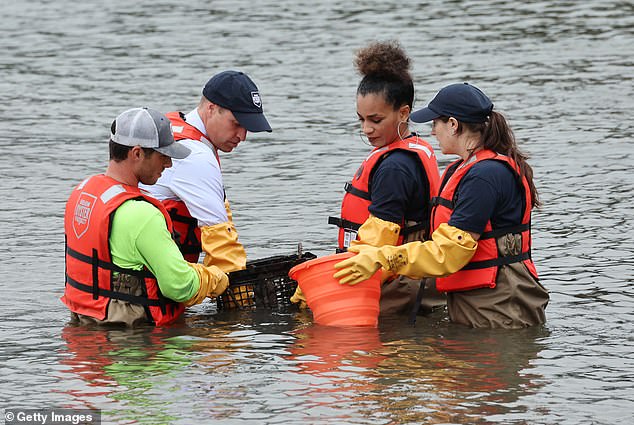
x,y
480,250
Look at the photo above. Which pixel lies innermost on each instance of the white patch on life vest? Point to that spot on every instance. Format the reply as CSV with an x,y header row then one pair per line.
x,y
348,236
257,100
421,148
82,184
111,193
177,129
83,211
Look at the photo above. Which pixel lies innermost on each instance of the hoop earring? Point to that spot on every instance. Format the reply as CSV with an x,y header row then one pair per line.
x,y
364,138
398,129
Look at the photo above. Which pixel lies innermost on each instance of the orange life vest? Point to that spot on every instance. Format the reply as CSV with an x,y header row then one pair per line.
x,y
186,230
357,200
481,271
89,267
184,130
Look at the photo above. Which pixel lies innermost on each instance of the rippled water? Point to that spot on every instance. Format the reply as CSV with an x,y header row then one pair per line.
x,y
562,72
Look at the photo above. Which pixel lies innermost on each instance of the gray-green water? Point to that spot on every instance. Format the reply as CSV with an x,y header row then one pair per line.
x,y
561,71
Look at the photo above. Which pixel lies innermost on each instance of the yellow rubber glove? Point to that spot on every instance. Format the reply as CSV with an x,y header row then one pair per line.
x,y
449,250
299,299
213,282
221,246
377,232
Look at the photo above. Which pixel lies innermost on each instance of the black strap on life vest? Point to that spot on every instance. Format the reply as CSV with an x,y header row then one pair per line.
x,y
133,299
502,260
357,192
423,225
496,262
96,291
163,302
95,273
343,224
181,218
496,233
437,200
191,244
346,224
349,225
100,264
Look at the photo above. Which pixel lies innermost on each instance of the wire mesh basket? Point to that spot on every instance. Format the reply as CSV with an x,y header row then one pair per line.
x,y
263,284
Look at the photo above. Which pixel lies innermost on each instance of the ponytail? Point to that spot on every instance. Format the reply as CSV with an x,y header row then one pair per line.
x,y
498,137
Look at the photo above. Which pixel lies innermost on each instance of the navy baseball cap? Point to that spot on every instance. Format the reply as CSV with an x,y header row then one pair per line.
x,y
464,102
234,91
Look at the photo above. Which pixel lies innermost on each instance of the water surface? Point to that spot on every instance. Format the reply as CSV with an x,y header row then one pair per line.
x,y
560,70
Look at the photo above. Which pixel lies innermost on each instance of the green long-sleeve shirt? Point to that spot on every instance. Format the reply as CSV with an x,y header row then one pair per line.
x,y
139,237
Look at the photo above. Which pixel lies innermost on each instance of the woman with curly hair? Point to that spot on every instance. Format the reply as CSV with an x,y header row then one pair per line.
x,y
388,200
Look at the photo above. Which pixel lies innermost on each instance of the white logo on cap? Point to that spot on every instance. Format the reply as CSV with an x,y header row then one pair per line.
x,y
257,101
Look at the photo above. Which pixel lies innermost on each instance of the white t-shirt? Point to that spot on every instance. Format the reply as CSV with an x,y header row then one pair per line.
x,y
196,180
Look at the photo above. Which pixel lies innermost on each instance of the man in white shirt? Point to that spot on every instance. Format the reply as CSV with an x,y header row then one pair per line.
x,y
192,190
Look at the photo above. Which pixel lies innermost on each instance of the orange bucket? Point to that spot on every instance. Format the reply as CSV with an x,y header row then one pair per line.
x,y
334,304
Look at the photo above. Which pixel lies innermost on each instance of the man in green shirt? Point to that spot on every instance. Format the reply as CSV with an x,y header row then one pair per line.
x,y
122,265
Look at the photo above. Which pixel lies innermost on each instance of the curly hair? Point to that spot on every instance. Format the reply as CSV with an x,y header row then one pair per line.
x,y
385,69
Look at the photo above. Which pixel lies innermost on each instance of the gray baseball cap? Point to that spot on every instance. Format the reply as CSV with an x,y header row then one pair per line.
x,y
147,128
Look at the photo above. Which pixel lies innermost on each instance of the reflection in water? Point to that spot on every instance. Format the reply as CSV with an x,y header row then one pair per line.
x,y
460,375
324,350
125,365
338,364
457,376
